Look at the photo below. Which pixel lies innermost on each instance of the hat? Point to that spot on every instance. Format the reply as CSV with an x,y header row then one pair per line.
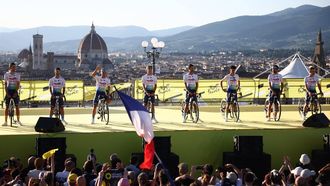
x,y
307,173
232,177
72,177
304,159
123,182
297,171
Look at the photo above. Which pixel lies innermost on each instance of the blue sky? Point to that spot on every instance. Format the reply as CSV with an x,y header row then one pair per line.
x,y
151,14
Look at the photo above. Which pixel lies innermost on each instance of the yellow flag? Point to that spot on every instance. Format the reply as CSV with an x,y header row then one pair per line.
x,y
49,153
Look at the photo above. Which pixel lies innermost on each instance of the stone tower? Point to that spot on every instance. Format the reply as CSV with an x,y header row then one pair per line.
x,y
38,53
318,57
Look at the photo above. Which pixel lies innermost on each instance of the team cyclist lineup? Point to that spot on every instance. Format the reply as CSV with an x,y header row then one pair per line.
x,y
149,84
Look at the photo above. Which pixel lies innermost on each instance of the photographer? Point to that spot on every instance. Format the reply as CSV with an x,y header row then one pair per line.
x,y
108,176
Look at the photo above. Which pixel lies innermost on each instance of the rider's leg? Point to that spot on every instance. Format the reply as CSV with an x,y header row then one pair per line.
x,y
17,113
62,112
270,105
6,113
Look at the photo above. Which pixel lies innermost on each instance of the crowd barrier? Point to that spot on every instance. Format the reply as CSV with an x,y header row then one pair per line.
x,y
173,90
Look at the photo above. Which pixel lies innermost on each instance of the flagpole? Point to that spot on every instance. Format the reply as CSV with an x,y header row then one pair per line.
x,y
166,170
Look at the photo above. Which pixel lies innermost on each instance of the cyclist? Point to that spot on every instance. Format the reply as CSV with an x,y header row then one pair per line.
x,y
191,84
102,88
233,84
57,88
275,82
12,83
149,83
310,85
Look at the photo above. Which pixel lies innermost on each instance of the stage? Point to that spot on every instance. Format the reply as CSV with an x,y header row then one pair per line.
x,y
199,143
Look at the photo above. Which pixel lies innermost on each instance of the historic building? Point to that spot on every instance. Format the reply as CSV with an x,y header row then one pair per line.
x,y
319,56
93,51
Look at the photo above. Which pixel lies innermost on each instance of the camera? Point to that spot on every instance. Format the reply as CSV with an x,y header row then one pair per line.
x,y
107,175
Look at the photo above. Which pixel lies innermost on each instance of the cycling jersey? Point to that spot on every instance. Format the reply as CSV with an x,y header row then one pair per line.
x,y
191,81
311,82
102,83
12,80
149,82
275,81
232,82
57,84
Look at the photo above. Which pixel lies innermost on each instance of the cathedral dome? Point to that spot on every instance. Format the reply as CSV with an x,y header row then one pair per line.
x,y
92,41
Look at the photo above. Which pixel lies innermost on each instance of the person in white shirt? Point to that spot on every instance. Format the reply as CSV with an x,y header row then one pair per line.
x,y
311,81
12,83
191,84
275,82
102,88
149,83
233,85
57,88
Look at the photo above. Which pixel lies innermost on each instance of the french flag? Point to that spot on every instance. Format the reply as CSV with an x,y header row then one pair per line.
x,y
141,120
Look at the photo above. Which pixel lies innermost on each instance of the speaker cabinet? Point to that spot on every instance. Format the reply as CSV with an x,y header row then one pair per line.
x,y
317,121
45,144
248,144
49,125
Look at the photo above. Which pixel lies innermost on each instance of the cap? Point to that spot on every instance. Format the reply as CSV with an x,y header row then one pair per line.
x,y
232,177
297,171
307,173
304,159
72,177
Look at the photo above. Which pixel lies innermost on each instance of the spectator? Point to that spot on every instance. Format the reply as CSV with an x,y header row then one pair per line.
x,y
324,175
276,178
38,164
88,171
133,166
305,162
62,177
143,179
81,181
132,178
249,179
184,177
123,182
163,178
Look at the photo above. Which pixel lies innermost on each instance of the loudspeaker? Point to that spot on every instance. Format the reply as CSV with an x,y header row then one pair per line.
x,y
45,144
317,121
45,124
320,158
162,144
248,144
259,164
171,162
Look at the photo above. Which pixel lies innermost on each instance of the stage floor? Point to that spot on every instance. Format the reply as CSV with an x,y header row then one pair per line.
x,y
169,119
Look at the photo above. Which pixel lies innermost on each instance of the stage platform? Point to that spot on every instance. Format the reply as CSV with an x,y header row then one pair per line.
x,y
199,143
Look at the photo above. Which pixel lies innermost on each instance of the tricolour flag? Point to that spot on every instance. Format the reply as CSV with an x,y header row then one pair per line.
x,y
141,120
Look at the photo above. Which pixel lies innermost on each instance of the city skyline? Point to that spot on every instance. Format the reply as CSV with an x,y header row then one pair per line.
x,y
146,13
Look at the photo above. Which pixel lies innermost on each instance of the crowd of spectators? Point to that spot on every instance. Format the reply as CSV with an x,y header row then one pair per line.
x,y
114,173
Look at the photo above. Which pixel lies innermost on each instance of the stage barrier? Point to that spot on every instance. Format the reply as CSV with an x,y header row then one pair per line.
x,y
173,90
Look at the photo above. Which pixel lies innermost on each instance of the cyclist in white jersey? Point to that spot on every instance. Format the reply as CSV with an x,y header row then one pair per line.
x,y
149,83
57,88
191,84
275,82
12,83
233,85
311,81
102,88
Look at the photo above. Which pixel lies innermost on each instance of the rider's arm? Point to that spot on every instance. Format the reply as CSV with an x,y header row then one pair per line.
x,y
93,74
50,87
197,85
239,84
270,85
320,88
63,91
282,86
221,83
6,88
155,88
306,88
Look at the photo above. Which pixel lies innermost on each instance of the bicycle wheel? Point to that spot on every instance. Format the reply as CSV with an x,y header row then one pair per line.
x,y
106,113
194,112
278,112
236,111
191,110
301,104
266,107
223,106
185,116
